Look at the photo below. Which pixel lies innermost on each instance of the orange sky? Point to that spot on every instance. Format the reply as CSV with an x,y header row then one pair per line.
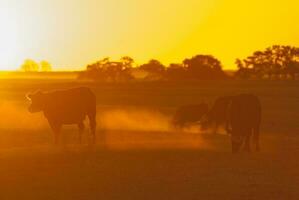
x,y
72,33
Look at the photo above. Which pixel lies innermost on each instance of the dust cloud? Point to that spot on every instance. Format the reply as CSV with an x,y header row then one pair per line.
x,y
127,128
139,120
17,117
134,120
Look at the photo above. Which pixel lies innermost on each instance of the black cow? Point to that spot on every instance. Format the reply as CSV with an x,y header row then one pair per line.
x,y
66,107
217,116
189,114
244,119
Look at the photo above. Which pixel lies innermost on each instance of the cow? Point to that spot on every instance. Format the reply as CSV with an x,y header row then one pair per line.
x,y
244,119
217,115
62,107
189,114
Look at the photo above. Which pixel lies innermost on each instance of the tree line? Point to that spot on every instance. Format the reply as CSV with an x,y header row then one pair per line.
x,y
276,62
203,67
30,65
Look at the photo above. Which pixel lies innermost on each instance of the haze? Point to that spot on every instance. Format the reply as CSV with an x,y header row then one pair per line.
x,y
73,33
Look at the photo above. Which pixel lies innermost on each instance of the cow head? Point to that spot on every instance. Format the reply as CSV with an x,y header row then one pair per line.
x,y
36,102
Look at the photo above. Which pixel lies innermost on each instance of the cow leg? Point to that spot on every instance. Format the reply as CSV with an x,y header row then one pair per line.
x,y
247,141
93,131
81,130
256,135
92,123
56,127
235,140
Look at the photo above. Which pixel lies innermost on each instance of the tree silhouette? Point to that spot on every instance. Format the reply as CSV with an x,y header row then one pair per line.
x,y
29,65
112,71
127,61
242,72
176,72
45,66
199,67
154,68
273,62
204,67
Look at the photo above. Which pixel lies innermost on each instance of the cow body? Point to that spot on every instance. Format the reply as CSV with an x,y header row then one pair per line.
x,y
244,118
189,114
218,114
66,107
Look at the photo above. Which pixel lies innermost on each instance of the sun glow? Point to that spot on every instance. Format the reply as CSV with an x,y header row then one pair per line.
x,y
73,33
9,44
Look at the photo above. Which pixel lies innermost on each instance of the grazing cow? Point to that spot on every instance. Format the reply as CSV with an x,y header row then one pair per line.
x,y
66,107
217,116
244,118
189,114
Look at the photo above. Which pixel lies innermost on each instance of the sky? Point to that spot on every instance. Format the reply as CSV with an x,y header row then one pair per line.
x,y
73,33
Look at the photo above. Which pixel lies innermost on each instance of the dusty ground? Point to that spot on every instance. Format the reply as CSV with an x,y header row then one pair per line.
x,y
142,158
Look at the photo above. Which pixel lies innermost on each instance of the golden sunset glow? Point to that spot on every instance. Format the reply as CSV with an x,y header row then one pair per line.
x,y
73,33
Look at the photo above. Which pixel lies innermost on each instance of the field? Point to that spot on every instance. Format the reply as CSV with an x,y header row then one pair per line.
x,y
139,156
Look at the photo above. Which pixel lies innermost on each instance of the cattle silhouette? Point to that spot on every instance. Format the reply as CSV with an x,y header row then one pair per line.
x,y
217,115
189,114
66,107
244,119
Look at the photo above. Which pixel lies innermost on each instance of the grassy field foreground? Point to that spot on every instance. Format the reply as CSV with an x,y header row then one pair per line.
x,y
143,158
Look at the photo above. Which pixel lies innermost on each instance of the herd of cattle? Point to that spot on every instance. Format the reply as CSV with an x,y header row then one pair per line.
x,y
240,114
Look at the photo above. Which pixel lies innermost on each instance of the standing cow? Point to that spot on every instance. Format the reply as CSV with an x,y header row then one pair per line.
x,y
244,119
189,114
66,107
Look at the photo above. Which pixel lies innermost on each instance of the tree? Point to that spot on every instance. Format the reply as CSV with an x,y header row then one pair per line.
x,y
272,62
29,65
127,61
154,68
45,66
106,70
176,72
204,67
243,71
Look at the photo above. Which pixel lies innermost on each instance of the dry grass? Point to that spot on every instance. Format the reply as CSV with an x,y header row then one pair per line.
x,y
143,158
